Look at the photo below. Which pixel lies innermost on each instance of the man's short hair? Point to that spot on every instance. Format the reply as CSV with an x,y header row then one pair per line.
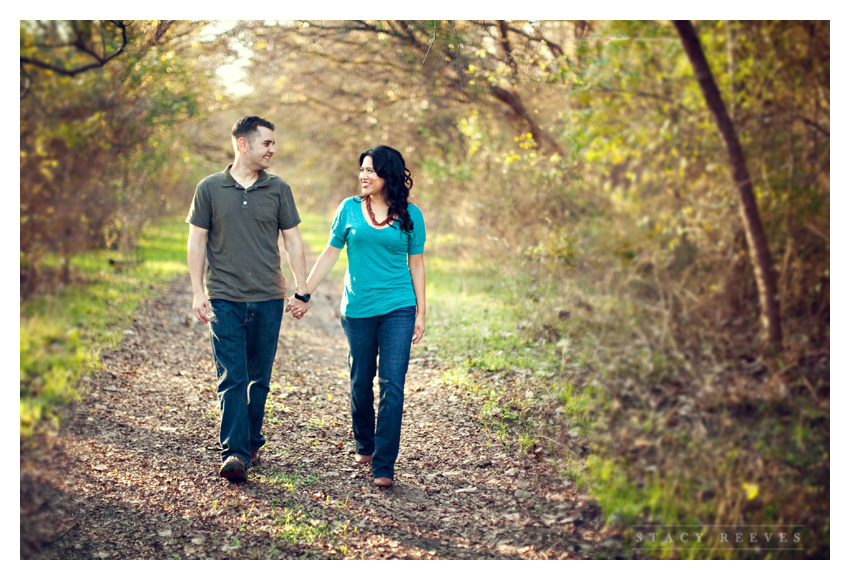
x,y
248,125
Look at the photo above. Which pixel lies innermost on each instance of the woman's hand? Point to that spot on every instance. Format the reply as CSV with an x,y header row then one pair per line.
x,y
298,308
418,329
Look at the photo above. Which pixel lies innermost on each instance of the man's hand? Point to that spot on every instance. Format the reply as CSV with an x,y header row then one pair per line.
x,y
201,308
297,308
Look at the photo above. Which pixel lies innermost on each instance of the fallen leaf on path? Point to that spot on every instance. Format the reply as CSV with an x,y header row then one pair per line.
x,y
467,490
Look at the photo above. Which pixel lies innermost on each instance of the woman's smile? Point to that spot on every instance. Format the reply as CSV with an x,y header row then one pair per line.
x,y
370,182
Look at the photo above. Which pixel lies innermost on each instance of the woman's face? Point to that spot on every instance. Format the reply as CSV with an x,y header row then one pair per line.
x,y
370,183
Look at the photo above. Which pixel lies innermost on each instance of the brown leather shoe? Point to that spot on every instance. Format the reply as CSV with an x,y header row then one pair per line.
x,y
383,481
255,457
233,469
362,458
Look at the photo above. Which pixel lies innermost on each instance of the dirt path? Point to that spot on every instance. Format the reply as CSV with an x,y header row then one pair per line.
x,y
132,474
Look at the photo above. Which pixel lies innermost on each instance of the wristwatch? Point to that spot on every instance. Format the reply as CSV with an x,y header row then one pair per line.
x,y
304,298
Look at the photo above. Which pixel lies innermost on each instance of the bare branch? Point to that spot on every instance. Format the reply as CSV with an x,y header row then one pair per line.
x,y
811,123
513,101
433,38
554,47
80,45
506,46
161,29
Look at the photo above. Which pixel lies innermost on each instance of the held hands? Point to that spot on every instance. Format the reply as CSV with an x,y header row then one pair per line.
x,y
296,307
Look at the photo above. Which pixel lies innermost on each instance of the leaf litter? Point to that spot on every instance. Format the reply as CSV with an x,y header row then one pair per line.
x,y
132,471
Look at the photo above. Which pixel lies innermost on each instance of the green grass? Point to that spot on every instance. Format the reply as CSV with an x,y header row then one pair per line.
x,y
468,314
288,481
300,525
62,334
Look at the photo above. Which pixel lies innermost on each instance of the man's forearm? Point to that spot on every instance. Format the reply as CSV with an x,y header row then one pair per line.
x,y
197,257
297,259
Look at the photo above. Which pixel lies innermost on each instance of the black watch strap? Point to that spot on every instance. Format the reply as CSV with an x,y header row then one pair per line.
x,y
304,298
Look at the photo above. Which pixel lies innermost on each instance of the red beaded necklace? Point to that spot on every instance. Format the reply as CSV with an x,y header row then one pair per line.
x,y
372,214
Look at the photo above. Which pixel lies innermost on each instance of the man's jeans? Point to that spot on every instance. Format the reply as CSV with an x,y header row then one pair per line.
x,y
244,342
390,334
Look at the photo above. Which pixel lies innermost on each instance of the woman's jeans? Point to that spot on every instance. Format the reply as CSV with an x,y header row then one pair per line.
x,y
244,342
390,335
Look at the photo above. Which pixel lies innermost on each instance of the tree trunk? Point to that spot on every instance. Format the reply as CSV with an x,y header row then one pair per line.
x,y
756,238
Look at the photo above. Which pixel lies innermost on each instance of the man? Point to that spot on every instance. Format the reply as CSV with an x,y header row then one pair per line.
x,y
234,225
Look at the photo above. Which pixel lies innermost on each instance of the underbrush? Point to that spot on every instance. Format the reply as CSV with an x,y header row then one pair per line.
x,y
712,437
63,332
676,427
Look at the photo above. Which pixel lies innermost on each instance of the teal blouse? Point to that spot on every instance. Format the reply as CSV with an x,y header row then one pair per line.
x,y
377,280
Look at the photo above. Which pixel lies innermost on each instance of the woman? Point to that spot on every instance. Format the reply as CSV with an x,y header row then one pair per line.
x,y
383,307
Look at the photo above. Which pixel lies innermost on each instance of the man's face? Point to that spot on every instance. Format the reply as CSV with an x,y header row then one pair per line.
x,y
260,148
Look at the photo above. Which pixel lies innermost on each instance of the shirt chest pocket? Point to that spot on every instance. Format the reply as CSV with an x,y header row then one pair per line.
x,y
265,211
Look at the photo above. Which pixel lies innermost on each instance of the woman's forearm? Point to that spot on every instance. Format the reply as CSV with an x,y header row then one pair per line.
x,y
417,275
322,267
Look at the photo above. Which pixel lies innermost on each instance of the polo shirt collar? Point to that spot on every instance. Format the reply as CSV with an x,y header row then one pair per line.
x,y
228,181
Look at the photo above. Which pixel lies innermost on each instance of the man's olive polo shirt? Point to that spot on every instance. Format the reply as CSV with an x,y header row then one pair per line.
x,y
243,259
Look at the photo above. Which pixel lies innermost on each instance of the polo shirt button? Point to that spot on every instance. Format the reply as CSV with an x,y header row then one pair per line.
x,y
244,203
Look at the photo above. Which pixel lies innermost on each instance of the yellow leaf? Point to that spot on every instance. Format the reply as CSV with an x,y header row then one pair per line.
x,y
752,490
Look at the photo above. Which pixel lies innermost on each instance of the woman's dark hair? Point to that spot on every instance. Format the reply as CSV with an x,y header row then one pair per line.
x,y
389,165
